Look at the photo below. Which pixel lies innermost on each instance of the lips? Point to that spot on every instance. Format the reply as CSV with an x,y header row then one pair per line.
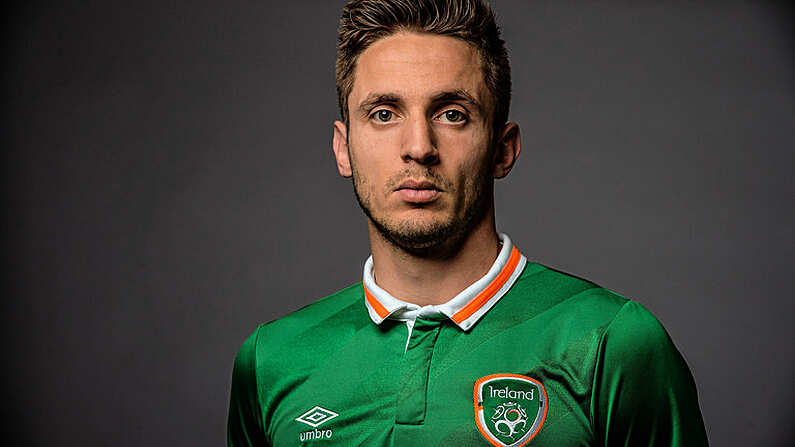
x,y
417,184
418,191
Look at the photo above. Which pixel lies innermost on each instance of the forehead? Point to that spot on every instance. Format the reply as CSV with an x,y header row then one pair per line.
x,y
415,66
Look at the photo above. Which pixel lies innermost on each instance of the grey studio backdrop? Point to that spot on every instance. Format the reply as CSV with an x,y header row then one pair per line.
x,y
169,184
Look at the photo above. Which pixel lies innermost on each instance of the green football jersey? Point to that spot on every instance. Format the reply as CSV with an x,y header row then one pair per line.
x,y
526,355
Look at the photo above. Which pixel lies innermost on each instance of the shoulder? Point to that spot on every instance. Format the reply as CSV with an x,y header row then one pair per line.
x,y
642,390
307,331
636,336
581,311
562,296
327,312
623,329
613,315
627,337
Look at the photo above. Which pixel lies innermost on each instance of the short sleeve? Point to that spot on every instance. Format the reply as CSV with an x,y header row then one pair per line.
x,y
244,427
643,392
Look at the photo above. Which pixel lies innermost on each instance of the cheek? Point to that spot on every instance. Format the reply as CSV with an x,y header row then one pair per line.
x,y
372,151
472,160
369,172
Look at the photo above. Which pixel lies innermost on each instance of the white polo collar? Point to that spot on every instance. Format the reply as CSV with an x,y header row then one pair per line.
x,y
465,309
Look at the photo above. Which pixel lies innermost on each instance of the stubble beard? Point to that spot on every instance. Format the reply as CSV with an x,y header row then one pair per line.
x,y
438,237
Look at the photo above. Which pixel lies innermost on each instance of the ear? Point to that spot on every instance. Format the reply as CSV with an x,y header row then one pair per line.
x,y
340,147
509,145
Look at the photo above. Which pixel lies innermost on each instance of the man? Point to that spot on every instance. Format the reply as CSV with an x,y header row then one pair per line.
x,y
452,337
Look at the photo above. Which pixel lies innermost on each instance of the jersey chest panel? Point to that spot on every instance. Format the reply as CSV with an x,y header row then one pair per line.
x,y
356,389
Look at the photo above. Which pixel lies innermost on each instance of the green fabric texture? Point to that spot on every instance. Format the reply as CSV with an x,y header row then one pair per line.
x,y
611,373
413,384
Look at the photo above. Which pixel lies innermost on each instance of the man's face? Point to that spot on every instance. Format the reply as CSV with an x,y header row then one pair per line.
x,y
419,138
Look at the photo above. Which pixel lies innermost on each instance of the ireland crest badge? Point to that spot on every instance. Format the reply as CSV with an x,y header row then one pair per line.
x,y
509,408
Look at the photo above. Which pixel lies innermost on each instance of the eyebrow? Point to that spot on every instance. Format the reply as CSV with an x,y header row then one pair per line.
x,y
457,95
377,98
461,95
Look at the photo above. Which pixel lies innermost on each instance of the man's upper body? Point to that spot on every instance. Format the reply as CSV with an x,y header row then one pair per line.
x,y
362,367
452,337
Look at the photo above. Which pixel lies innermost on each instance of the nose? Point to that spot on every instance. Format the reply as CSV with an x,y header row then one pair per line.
x,y
419,143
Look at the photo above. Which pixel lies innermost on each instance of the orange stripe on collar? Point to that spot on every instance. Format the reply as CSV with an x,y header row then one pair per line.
x,y
375,304
490,290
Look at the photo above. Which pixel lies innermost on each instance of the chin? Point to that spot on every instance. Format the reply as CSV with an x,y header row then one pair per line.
x,y
421,221
419,233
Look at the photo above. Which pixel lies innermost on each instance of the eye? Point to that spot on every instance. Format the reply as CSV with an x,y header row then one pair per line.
x,y
454,116
383,115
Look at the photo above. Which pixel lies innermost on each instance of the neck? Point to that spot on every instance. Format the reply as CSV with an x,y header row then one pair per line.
x,y
434,278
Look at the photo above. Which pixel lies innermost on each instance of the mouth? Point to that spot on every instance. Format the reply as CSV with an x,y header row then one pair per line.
x,y
418,184
418,191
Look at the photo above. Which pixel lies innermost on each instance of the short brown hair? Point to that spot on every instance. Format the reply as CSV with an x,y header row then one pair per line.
x,y
365,21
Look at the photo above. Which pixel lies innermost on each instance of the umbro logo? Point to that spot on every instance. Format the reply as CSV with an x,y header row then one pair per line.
x,y
313,418
316,416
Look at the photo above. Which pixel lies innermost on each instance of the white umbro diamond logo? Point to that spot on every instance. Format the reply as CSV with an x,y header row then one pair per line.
x,y
316,416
